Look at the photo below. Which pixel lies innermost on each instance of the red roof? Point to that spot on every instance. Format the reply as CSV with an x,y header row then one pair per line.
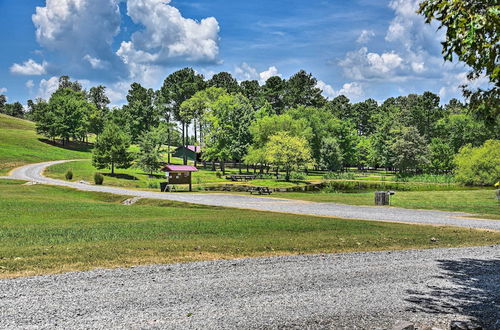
x,y
179,168
195,149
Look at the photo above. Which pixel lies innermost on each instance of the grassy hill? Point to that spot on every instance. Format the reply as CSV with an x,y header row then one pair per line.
x,y
20,145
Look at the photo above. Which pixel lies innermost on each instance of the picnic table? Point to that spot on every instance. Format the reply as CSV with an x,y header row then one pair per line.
x,y
261,190
240,177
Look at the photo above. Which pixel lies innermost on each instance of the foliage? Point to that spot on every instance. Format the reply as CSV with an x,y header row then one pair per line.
x,y
472,35
331,155
440,156
111,149
339,176
287,152
141,112
224,80
149,157
301,90
478,166
409,150
98,178
69,175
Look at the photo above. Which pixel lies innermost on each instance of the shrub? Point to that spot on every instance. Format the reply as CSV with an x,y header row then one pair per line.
x,y
478,166
340,176
297,176
69,175
218,174
153,184
98,178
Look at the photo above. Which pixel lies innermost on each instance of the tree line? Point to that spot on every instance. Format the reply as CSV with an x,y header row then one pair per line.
x,y
284,124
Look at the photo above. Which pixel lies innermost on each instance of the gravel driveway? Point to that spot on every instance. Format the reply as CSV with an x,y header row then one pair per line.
x,y
33,173
336,291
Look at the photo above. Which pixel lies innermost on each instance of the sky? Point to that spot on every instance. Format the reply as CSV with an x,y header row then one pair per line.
x,y
358,48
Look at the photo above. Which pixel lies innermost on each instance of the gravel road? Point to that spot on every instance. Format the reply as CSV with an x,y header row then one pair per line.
x,y
336,291
33,173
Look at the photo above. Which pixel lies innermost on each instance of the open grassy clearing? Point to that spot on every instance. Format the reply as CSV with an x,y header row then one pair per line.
x,y
481,202
20,145
46,229
136,178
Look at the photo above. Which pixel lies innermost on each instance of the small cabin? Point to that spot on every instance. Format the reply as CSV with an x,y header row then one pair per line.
x,y
192,153
177,174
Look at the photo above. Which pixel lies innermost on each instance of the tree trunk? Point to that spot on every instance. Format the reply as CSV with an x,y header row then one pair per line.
x,y
287,175
223,167
168,141
112,168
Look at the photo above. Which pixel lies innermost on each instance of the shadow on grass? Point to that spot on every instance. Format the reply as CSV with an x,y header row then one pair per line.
x,y
120,176
72,145
473,292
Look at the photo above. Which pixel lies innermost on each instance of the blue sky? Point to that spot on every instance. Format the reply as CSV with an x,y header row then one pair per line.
x,y
360,48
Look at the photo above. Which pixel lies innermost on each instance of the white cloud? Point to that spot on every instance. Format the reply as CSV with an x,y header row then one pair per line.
x,y
30,84
246,72
95,62
47,87
365,36
271,72
81,29
353,90
362,65
168,36
3,90
29,68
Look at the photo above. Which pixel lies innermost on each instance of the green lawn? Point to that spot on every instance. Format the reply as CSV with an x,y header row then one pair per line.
x,y
46,229
20,145
136,178
474,201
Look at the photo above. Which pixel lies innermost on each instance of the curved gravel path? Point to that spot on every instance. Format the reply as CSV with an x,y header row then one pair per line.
x,y
335,291
33,172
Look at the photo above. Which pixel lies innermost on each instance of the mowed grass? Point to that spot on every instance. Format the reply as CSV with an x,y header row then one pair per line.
x,y
134,177
482,202
20,145
46,229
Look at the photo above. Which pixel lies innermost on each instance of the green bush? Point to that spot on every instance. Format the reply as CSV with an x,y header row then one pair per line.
x,y
218,174
340,176
297,176
478,166
153,184
431,178
98,178
69,175
360,186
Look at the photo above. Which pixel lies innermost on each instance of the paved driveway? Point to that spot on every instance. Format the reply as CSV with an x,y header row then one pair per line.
x,y
33,173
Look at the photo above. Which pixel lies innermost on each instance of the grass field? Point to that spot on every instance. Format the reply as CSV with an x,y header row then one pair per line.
x,y
46,229
20,145
482,202
136,178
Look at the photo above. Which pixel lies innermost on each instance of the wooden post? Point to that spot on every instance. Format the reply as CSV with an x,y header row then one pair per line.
x,y
381,198
190,183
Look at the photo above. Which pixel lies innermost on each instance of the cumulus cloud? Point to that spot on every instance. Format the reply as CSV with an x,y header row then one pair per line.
x,y
47,87
30,84
167,36
354,91
271,72
363,65
29,68
247,72
365,36
95,62
3,90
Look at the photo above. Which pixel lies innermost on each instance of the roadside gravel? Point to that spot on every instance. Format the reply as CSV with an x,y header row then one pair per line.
x,y
335,291
33,173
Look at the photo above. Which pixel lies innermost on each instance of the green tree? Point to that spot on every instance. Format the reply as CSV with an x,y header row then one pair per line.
x,y
409,150
253,92
479,166
461,129
301,90
363,114
263,128
177,88
440,156
111,149
331,154
15,110
274,93
149,157
228,124
141,110
224,80
472,36
97,119
365,152
287,152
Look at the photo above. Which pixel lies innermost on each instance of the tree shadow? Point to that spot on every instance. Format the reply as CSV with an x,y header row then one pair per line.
x,y
120,176
473,290
72,145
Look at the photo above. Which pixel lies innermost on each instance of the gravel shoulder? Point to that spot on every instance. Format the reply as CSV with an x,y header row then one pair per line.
x,y
33,172
338,291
